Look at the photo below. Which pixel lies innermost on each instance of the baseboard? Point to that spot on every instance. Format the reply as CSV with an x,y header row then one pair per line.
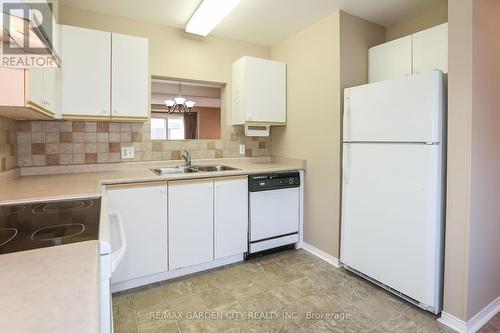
x,y
475,323
142,281
453,322
321,254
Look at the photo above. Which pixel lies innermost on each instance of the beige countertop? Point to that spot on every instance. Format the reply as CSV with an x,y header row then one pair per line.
x,y
80,184
53,289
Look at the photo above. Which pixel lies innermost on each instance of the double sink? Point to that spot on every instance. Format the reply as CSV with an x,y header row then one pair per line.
x,y
192,169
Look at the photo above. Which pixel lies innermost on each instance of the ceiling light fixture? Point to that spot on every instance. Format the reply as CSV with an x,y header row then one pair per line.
x,y
208,14
179,104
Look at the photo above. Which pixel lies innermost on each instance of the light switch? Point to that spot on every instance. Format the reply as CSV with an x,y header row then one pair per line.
x,y
242,149
127,152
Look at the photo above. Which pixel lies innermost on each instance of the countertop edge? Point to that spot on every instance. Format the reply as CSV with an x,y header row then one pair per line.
x,y
107,178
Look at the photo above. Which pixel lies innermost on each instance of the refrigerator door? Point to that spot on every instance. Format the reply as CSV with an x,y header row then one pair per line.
x,y
409,109
392,216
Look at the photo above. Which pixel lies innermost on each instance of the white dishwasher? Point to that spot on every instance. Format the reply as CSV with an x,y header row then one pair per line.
x,y
274,200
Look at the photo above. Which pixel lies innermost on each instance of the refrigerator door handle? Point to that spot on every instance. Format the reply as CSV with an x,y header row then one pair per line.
x,y
346,161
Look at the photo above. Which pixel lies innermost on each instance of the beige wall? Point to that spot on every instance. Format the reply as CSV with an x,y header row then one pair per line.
x,y
172,52
313,132
426,19
484,237
472,267
313,124
356,37
459,151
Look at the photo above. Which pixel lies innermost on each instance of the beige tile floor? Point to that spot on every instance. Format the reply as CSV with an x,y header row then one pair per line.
x,y
292,291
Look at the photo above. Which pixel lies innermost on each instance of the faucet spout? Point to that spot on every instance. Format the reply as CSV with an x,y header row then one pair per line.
x,y
186,156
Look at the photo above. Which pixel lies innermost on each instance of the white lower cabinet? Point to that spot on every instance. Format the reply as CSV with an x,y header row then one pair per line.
x,y
190,220
179,225
143,209
230,216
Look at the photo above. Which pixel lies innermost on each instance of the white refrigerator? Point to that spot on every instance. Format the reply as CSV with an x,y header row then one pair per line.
x,y
393,185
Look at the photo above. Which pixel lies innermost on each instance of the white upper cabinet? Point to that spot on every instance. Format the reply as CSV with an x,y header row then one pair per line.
x,y
28,94
35,86
423,51
130,88
258,92
42,88
86,73
390,60
104,75
230,216
430,49
143,210
190,220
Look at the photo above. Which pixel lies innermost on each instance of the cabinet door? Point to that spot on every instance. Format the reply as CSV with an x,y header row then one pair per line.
x,y
190,221
42,88
36,86
430,49
231,216
86,73
49,89
130,77
264,91
143,208
390,60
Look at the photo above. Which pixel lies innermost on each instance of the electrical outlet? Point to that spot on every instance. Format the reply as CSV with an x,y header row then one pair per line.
x,y
127,152
242,149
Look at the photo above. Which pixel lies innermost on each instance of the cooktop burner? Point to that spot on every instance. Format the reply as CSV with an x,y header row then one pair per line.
x,y
6,235
10,210
62,206
58,232
27,227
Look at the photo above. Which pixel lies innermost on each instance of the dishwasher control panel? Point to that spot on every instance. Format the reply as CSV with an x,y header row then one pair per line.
x,y
273,181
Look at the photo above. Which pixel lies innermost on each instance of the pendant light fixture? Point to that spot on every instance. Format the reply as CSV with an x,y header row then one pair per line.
x,y
179,104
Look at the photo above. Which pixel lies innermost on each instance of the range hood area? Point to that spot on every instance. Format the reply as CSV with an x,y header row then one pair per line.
x,y
29,34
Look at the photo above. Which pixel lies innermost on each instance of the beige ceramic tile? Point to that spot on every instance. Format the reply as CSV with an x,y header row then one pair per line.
x,y
149,296
179,288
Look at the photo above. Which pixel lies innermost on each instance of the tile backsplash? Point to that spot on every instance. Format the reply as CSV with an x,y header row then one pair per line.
x,y
41,143
7,144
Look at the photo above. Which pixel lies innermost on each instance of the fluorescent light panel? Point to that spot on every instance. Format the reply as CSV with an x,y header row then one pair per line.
x,y
208,15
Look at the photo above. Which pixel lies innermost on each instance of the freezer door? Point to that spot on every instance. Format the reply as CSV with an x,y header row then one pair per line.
x,y
392,216
409,109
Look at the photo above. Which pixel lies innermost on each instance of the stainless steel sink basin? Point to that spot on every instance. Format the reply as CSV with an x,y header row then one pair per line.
x,y
174,170
207,168
191,169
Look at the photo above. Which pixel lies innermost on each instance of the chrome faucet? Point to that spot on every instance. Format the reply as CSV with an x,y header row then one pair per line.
x,y
186,157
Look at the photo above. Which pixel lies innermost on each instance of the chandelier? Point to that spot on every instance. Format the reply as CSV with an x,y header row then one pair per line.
x,y
179,104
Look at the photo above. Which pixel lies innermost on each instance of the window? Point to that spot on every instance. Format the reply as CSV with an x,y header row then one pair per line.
x,y
166,126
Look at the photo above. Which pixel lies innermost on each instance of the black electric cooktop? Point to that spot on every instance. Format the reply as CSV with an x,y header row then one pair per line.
x,y
33,226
